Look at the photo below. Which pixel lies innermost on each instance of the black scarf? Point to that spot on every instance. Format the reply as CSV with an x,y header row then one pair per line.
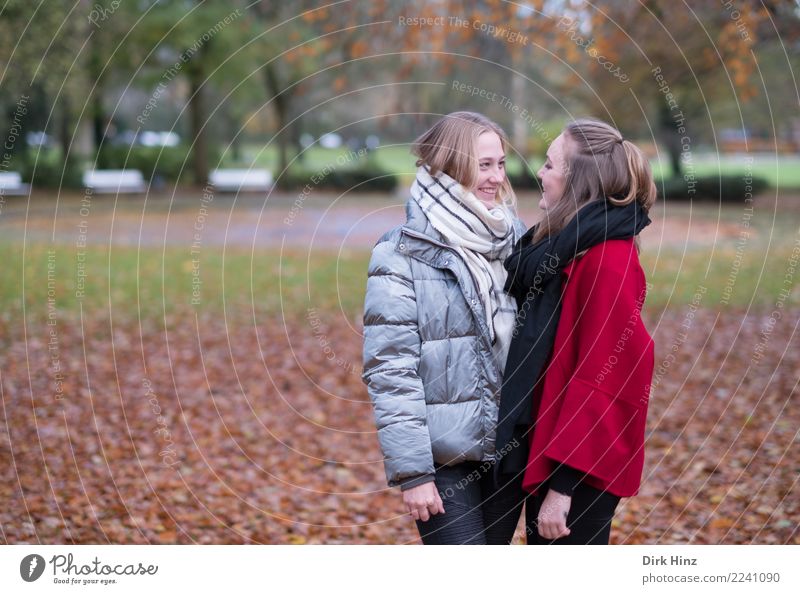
x,y
534,279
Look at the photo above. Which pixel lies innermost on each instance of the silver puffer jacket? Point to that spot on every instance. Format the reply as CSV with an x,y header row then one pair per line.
x,y
428,361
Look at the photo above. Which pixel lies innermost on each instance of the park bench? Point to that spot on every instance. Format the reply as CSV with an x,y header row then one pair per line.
x,y
114,181
241,180
11,184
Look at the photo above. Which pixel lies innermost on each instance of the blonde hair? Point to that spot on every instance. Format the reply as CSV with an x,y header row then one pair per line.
x,y
450,146
600,164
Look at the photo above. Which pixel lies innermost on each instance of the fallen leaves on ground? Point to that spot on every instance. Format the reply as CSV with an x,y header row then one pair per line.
x,y
202,429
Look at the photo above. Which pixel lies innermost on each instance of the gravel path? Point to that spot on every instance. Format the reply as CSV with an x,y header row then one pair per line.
x,y
322,221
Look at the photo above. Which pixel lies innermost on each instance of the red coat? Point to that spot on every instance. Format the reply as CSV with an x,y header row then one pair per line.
x,y
590,409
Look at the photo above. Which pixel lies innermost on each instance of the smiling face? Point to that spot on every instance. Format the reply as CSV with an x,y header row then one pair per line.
x,y
553,173
491,168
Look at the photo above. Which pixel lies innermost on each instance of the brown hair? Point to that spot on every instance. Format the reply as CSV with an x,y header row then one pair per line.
x,y
449,146
600,165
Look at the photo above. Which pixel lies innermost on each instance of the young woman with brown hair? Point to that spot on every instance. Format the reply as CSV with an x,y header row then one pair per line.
x,y
580,364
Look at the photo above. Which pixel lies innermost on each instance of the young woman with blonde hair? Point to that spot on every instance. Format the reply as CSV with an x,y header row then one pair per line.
x,y
437,326
579,369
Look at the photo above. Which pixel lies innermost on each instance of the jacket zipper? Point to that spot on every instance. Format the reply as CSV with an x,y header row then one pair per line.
x,y
460,284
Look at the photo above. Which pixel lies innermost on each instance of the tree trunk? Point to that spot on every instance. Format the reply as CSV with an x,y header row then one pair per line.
x,y
519,128
98,112
98,119
63,132
197,118
671,139
18,123
281,108
283,143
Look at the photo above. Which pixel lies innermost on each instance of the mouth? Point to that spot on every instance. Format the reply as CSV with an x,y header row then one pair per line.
x,y
490,191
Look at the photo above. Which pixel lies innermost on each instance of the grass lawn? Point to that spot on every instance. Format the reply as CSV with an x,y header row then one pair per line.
x,y
153,281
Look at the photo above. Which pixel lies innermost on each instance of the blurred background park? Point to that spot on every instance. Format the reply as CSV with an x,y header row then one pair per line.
x,y
189,192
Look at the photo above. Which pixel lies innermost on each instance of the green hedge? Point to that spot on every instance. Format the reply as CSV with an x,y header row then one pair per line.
x,y
714,188
165,163
524,181
370,178
51,173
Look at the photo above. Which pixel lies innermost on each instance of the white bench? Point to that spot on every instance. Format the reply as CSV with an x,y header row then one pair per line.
x,y
114,181
11,185
241,180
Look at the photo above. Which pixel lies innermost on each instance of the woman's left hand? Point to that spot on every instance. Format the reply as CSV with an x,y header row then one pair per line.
x,y
553,515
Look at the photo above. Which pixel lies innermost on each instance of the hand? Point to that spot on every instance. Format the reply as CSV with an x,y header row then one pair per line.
x,y
423,501
553,515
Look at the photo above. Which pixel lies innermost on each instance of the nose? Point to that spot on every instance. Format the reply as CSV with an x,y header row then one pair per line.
x,y
540,173
496,176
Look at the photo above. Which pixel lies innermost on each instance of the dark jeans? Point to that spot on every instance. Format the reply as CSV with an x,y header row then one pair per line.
x,y
589,518
475,510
